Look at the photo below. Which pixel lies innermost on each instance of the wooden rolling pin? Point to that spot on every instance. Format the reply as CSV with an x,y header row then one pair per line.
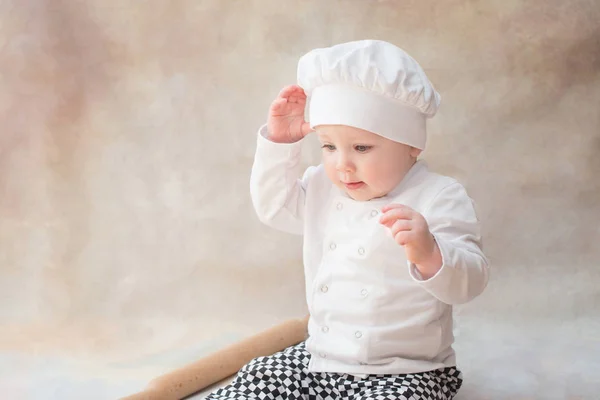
x,y
224,363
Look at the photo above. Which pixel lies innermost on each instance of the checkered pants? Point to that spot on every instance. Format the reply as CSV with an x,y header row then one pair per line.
x,y
284,376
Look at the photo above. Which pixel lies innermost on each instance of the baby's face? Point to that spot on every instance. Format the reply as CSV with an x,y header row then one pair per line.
x,y
363,164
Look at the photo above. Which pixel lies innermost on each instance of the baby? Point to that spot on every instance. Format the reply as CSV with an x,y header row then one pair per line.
x,y
389,246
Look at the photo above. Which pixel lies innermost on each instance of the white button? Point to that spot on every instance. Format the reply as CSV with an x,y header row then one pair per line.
x,y
332,246
339,206
324,289
325,329
374,213
364,292
358,334
361,251
323,355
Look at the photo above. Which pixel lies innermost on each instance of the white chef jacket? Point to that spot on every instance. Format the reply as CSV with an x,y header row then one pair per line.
x,y
370,310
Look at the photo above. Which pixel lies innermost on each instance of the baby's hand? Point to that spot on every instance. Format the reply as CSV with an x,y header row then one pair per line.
x,y
286,122
409,229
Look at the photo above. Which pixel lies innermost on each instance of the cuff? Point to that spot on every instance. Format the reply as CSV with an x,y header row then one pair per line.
x,y
439,276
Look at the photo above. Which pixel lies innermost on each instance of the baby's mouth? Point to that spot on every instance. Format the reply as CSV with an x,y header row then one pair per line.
x,y
353,185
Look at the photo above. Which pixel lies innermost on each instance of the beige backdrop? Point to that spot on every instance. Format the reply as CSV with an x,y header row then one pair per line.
x,y
128,244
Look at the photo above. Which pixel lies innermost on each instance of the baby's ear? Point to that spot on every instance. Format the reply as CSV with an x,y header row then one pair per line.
x,y
414,152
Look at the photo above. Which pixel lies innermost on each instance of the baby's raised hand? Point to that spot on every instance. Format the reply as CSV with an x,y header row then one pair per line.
x,y
409,229
286,122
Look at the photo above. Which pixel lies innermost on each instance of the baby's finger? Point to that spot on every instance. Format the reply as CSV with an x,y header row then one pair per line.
x,y
391,215
401,225
278,102
278,105
285,92
306,129
291,90
393,206
294,98
402,237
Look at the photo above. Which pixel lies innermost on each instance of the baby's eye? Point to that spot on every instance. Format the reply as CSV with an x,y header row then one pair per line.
x,y
329,147
362,149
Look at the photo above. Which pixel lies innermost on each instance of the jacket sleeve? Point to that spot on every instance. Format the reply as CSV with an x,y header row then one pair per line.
x,y
277,184
465,269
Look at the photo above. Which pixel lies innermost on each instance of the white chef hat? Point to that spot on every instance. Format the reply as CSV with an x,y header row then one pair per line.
x,y
371,85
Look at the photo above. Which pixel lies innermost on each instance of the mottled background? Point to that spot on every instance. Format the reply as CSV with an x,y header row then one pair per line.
x,y
128,244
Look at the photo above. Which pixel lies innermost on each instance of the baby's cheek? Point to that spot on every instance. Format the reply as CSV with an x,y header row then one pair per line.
x,y
383,181
330,170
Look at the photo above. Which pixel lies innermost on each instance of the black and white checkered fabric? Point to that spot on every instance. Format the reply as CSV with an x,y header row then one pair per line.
x,y
284,376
